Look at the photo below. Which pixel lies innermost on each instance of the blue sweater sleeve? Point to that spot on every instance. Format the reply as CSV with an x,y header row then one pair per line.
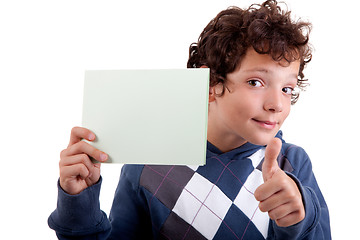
x,y
79,216
316,224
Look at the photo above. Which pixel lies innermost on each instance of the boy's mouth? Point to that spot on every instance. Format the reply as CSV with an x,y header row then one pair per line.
x,y
265,124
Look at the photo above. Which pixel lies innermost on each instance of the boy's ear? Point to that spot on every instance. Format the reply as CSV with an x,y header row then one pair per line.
x,y
211,94
215,92
211,89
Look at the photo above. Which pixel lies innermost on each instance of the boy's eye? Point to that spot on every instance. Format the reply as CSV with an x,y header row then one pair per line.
x,y
254,83
288,90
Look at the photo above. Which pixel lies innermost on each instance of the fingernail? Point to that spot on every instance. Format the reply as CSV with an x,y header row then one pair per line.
x,y
103,156
91,137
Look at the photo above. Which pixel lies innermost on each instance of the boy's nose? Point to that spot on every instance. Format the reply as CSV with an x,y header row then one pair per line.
x,y
273,102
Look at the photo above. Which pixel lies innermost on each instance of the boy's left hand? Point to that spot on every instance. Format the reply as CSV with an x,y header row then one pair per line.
x,y
279,195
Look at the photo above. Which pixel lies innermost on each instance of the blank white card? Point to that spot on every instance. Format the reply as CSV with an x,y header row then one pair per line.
x,y
148,116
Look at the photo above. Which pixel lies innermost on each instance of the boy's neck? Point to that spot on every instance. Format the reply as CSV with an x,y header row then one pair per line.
x,y
224,143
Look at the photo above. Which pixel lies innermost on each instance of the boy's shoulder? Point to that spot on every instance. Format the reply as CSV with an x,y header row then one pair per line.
x,y
131,173
293,151
290,150
295,156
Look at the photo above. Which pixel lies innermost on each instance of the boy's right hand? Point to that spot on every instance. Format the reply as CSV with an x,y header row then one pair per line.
x,y
77,171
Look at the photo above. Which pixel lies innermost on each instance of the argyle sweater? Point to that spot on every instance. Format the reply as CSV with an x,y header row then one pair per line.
x,y
215,201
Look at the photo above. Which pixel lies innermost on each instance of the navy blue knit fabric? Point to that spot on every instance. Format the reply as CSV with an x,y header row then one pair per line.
x,y
214,201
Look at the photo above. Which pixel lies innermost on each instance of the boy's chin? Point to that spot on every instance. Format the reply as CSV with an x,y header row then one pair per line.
x,y
263,141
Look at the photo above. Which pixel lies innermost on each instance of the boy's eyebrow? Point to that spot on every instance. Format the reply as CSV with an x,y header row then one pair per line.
x,y
264,70
257,70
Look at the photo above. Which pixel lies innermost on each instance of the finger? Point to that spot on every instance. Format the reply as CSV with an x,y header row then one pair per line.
x,y
79,133
280,212
76,159
273,202
72,171
270,165
95,175
267,190
290,219
84,148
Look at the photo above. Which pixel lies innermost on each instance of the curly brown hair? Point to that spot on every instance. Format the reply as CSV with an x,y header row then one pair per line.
x,y
266,28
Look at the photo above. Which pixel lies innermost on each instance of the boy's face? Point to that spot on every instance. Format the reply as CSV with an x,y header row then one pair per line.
x,y
255,103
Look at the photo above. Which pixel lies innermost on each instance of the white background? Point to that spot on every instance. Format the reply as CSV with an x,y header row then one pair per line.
x,y
45,47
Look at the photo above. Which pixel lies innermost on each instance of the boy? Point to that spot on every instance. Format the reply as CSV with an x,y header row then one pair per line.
x,y
246,190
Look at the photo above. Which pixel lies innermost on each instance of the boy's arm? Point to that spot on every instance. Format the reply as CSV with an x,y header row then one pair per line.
x,y
279,194
79,216
78,213
315,223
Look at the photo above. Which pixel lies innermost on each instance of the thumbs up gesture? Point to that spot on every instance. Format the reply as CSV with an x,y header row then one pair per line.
x,y
279,195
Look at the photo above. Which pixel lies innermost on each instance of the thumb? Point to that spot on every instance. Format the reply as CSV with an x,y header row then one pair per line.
x,y
270,164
